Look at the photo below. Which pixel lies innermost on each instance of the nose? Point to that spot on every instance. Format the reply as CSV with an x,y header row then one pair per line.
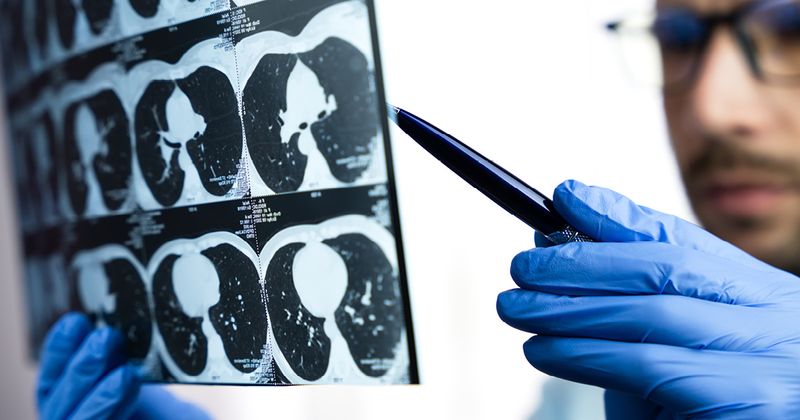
x,y
727,99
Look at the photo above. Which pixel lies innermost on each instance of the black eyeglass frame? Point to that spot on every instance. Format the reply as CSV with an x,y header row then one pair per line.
x,y
735,20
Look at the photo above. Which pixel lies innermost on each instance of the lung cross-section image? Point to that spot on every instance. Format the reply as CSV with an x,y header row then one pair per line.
x,y
113,291
182,333
189,122
210,310
48,293
66,15
97,142
335,303
44,152
325,94
279,163
299,333
370,316
239,317
15,54
29,164
24,169
346,137
41,14
145,8
98,13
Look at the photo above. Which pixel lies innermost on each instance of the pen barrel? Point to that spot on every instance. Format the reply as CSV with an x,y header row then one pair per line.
x,y
505,189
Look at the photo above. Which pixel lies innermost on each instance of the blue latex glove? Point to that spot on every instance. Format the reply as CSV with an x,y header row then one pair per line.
x,y
83,375
670,319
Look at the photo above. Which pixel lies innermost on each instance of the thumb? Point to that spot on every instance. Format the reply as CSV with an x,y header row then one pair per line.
x,y
608,216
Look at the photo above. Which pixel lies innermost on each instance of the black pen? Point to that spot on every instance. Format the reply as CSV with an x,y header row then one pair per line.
x,y
505,189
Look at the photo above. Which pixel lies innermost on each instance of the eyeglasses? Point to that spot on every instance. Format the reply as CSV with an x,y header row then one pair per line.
x,y
666,48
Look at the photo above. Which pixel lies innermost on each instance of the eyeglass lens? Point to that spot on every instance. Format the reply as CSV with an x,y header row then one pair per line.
x,y
681,37
769,32
773,30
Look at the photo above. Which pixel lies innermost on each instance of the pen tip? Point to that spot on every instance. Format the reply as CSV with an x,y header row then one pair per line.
x,y
393,111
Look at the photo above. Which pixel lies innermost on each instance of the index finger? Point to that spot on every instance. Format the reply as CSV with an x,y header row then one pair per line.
x,y
608,216
61,343
648,268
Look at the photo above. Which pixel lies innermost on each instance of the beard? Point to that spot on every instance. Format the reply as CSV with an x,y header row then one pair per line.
x,y
712,168
721,155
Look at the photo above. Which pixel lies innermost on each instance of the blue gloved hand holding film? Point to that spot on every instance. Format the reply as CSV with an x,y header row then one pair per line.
x,y
668,318
84,375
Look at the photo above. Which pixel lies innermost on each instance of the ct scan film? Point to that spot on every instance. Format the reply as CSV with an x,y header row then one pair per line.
x,y
213,179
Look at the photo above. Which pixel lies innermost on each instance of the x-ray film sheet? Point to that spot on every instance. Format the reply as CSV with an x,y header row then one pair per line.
x,y
213,179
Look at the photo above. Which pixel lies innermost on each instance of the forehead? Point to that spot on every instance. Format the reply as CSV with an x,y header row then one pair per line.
x,y
706,6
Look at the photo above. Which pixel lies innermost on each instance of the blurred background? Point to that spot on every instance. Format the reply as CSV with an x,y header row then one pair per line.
x,y
540,88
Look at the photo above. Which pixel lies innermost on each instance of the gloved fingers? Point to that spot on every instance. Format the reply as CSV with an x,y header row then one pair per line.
x,y
156,403
669,320
623,406
682,379
112,398
99,353
637,268
608,216
61,343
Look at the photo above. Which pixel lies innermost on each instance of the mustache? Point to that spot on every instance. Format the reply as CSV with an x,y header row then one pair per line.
x,y
723,155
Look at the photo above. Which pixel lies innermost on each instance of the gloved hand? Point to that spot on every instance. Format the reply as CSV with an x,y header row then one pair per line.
x,y
667,317
83,375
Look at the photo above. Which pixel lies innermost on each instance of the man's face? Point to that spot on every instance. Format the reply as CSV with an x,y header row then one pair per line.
x,y
737,142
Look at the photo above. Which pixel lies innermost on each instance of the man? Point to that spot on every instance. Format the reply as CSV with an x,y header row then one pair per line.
x,y
670,319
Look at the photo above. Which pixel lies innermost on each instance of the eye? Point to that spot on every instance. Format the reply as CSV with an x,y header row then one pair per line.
x,y
773,31
782,21
678,31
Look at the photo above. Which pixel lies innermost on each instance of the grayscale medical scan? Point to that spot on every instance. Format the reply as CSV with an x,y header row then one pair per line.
x,y
212,178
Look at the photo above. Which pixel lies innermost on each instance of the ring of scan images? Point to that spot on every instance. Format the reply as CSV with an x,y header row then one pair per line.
x,y
110,285
349,325
212,179
209,309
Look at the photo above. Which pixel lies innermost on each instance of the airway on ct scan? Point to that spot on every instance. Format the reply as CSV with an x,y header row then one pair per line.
x,y
213,181
205,102
353,321
97,141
